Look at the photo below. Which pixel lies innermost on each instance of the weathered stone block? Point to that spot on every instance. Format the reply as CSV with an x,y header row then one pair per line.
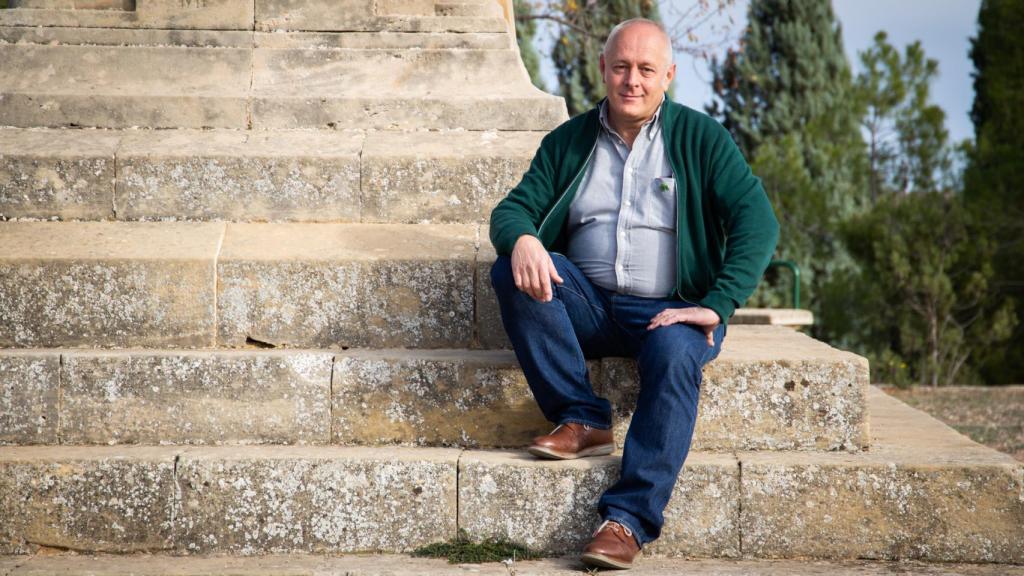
x,y
64,173
552,505
196,397
413,112
126,37
108,111
29,382
432,398
161,14
923,491
326,285
771,388
441,177
794,317
107,284
380,40
269,499
490,332
466,9
324,16
110,87
227,175
83,498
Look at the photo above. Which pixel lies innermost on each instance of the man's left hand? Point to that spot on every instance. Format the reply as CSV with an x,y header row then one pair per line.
x,y
705,318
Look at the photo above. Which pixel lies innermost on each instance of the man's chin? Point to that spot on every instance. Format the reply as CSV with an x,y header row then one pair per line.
x,y
631,110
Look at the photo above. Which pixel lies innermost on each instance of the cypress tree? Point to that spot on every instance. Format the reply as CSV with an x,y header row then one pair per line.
x,y
994,179
578,49
786,97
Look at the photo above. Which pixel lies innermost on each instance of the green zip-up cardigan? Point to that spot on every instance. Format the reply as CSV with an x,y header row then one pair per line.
x,y
725,225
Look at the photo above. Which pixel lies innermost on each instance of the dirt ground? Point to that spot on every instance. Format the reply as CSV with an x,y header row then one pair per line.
x,y
990,415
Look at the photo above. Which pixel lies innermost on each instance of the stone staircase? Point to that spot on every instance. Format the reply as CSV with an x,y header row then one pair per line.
x,y
245,309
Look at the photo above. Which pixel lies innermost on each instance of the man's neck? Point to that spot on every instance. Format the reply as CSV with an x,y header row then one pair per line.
x,y
628,130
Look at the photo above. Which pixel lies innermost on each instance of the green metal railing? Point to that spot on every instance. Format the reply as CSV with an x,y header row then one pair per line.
x,y
792,266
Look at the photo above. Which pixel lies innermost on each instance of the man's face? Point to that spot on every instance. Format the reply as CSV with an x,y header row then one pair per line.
x,y
636,72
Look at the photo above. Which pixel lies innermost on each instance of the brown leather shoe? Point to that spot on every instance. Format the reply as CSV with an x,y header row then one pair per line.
x,y
573,440
612,546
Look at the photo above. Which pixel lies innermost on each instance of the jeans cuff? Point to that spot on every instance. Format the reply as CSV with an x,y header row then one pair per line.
x,y
591,423
639,536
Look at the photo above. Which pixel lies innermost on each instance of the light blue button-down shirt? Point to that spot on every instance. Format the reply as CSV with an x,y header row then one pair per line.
x,y
622,222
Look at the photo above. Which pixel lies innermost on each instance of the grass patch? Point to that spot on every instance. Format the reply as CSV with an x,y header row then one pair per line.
x,y
462,550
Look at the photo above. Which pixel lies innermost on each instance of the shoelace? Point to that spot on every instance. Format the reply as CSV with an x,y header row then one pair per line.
x,y
614,526
585,427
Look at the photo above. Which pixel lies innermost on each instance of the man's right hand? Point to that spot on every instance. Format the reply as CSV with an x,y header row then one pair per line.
x,y
533,269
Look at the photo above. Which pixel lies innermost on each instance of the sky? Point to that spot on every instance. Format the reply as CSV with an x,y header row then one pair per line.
x,y
944,28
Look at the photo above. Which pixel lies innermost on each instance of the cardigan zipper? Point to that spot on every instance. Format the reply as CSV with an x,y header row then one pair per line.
x,y
540,230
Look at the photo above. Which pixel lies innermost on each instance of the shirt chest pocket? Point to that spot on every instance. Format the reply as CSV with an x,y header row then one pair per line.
x,y
660,204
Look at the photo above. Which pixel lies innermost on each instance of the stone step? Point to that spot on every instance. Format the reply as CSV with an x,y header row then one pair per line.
x,y
407,565
244,39
73,4
751,398
106,284
239,175
268,88
184,284
303,176
162,14
263,15
922,492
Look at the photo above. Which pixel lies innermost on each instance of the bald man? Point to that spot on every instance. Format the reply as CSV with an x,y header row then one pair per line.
x,y
637,231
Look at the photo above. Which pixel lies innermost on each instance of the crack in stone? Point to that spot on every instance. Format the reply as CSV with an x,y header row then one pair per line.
x,y
739,503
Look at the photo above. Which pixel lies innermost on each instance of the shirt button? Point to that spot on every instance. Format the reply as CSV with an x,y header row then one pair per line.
x,y
628,203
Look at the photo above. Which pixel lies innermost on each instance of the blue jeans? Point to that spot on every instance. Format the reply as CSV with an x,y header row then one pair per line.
x,y
552,340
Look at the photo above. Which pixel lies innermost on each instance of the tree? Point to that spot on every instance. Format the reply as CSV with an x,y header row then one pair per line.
x,y
906,134
578,49
994,179
526,29
786,97
925,299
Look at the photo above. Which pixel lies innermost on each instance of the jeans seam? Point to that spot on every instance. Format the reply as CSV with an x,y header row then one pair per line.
x,y
591,423
584,299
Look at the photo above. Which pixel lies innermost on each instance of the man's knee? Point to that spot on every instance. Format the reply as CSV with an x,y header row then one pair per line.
x,y
677,347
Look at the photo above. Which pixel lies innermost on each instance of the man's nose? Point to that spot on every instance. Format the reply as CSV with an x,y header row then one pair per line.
x,y
632,76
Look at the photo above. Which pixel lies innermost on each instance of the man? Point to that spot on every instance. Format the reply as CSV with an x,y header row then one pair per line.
x,y
637,231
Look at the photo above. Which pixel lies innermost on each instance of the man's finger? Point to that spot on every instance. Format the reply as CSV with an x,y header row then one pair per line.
x,y
711,336
534,283
545,283
554,272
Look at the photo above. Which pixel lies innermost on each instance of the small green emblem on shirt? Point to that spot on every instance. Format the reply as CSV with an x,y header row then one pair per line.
x,y
664,187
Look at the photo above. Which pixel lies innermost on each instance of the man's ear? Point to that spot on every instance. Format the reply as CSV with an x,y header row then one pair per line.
x,y
600,66
670,75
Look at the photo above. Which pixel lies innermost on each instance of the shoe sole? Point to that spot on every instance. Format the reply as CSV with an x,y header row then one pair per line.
x,y
602,561
601,450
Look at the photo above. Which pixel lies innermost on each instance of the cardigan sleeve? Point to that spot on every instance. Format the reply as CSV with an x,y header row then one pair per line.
x,y
749,221
522,210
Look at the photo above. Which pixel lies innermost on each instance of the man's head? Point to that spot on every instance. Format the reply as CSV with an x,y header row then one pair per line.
x,y
637,69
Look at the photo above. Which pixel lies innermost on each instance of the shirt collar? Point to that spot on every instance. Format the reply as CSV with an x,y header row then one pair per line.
x,y
650,128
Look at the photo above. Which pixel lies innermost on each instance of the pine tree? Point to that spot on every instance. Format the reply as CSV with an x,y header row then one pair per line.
x,y
578,49
994,180
906,133
786,97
